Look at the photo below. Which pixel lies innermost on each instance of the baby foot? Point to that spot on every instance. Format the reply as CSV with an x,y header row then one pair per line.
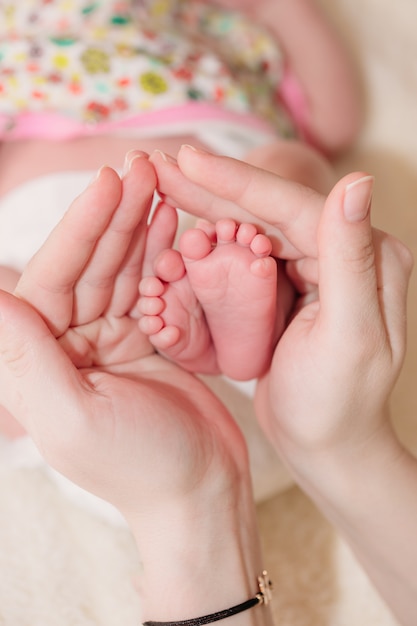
x,y
172,317
169,313
214,306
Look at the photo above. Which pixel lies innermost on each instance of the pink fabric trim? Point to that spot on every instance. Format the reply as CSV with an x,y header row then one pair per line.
x,y
48,125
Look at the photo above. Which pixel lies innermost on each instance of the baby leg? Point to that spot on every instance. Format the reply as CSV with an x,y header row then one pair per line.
x,y
295,161
215,306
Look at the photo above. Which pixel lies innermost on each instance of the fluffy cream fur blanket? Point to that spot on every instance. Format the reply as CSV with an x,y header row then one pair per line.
x,y
60,566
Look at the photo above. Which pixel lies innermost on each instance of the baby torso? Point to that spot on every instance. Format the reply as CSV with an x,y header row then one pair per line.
x,y
84,81
81,67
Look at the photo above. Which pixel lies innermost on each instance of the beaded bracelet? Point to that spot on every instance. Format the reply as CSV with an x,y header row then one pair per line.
x,y
262,597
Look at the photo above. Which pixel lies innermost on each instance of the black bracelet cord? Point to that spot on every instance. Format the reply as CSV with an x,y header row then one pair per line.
x,y
263,597
214,617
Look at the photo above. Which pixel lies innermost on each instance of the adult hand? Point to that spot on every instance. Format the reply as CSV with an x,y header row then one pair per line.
x,y
324,402
103,408
336,364
347,347
118,419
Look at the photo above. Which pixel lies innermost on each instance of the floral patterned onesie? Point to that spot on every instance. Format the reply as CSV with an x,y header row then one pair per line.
x,y
75,67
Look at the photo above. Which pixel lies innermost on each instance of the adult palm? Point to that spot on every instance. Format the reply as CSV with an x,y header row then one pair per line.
x,y
103,408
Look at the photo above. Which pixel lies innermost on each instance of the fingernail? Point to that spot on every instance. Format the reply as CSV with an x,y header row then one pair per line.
x,y
165,157
97,175
187,146
357,201
130,157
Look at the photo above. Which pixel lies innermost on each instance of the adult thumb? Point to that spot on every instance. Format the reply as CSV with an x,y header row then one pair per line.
x,y
39,385
363,272
347,269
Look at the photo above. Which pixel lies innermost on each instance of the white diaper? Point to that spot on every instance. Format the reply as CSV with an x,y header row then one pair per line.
x,y
27,215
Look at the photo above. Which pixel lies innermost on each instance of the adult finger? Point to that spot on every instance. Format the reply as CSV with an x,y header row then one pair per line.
x,y
110,278
213,187
363,273
161,235
49,278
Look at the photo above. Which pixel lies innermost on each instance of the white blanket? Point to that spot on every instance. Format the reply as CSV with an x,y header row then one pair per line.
x,y
61,566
